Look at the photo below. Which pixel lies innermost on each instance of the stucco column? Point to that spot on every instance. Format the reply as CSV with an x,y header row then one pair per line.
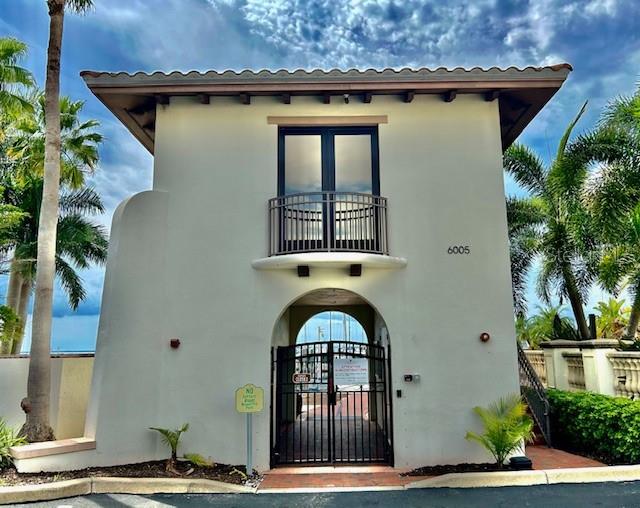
x,y
598,371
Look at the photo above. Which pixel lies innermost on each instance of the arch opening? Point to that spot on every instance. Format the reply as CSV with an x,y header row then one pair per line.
x,y
332,326
331,382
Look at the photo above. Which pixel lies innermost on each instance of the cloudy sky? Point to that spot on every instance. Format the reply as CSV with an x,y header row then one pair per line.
x,y
600,38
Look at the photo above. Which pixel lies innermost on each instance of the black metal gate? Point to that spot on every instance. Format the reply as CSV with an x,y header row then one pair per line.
x,y
317,420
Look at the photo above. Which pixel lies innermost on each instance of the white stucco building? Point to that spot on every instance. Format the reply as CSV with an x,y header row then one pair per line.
x,y
277,196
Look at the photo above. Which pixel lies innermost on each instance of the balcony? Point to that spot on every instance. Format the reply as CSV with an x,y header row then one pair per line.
x,y
328,222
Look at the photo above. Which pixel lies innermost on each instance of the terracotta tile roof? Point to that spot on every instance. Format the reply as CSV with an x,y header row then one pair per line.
x,y
522,92
406,73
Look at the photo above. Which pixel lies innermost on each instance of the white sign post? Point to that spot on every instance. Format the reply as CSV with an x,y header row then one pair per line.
x,y
249,400
350,371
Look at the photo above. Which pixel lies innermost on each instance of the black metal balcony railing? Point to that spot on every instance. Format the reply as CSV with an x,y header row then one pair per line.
x,y
328,221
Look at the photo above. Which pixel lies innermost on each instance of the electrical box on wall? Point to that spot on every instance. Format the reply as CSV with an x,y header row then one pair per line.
x,y
411,378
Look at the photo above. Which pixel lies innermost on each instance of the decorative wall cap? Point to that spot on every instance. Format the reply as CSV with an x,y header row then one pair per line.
x,y
581,344
53,355
624,354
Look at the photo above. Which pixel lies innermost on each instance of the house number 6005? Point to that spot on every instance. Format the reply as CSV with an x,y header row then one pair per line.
x,y
459,249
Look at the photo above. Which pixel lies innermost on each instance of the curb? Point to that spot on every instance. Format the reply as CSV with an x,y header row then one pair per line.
x,y
316,490
114,485
524,478
475,480
45,491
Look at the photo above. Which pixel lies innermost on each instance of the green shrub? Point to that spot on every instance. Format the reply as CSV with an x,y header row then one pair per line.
x,y
604,427
506,425
8,438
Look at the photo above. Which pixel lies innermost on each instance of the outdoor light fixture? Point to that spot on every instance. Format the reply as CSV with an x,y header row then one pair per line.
x,y
484,337
346,98
174,343
303,271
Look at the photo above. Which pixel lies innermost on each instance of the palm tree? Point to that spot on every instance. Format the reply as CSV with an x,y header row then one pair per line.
x,y
80,243
79,142
613,318
566,240
525,218
36,404
13,78
614,201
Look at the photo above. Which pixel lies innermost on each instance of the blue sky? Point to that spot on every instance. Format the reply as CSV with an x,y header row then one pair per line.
x,y
600,38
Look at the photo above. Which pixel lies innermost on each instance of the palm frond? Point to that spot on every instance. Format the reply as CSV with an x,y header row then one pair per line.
x,y
525,167
71,283
83,201
567,133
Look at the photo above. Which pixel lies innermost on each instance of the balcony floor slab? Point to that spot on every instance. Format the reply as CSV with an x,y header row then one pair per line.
x,y
328,260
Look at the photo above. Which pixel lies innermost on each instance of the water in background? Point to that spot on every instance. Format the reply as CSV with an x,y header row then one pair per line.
x,y
70,334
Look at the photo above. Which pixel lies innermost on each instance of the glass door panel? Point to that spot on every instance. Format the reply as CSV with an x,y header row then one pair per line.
x,y
302,163
354,214
302,220
353,163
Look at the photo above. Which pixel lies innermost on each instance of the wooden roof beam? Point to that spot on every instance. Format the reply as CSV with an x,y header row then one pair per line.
x,y
163,99
326,98
142,108
245,98
286,98
492,95
408,96
204,98
449,96
366,97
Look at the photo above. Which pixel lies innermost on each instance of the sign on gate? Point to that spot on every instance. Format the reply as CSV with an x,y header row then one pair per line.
x,y
301,378
350,371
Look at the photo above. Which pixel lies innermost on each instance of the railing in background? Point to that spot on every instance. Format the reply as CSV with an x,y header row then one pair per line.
x,y
575,371
536,359
626,372
534,393
328,221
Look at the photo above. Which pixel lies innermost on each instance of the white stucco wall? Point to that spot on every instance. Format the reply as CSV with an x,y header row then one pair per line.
x,y
180,266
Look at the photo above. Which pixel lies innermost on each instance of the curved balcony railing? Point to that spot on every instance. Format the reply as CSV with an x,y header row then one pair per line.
x,y
327,222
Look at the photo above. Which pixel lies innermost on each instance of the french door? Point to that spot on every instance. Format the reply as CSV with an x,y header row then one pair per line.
x,y
329,182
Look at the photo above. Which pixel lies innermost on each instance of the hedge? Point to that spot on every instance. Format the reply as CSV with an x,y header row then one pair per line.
x,y
603,427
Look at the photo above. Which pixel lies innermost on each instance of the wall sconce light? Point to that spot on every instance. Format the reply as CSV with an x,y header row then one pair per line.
x,y
484,337
174,343
346,98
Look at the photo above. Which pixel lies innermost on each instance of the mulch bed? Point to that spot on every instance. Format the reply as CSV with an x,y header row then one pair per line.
x,y
457,468
155,469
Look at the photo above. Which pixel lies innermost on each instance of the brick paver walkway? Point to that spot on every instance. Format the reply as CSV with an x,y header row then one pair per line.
x,y
384,476
552,458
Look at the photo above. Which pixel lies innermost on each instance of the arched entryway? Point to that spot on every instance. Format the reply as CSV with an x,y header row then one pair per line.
x,y
331,382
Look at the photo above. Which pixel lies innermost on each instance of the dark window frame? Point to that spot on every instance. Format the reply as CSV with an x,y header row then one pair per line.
x,y
327,135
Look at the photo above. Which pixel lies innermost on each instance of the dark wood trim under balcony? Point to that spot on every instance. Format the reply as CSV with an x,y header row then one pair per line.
x,y
328,222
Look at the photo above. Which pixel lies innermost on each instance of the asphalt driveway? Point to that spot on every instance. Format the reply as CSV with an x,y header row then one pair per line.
x,y
617,495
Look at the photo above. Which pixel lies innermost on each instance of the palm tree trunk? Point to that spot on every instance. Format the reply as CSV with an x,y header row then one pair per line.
x,y
13,289
13,297
576,303
36,406
634,318
23,305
